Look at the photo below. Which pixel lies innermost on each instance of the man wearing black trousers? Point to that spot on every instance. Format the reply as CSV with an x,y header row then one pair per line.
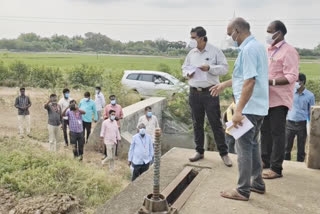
x,y
203,66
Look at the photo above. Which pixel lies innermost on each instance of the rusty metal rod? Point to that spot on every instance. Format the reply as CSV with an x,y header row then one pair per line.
x,y
156,165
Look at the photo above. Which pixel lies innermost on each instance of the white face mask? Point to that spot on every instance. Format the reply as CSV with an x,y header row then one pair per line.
x,y
192,44
269,39
86,99
297,85
231,42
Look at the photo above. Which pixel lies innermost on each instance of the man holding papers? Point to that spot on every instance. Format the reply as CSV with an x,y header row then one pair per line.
x,y
250,88
203,66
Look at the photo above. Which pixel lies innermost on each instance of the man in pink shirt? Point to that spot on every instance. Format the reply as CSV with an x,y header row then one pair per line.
x,y
119,115
283,73
110,136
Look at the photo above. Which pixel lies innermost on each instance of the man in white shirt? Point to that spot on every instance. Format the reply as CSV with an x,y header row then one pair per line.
x,y
64,104
203,66
150,121
100,102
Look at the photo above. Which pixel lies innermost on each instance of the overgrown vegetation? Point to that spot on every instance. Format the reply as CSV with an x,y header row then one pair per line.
x,y
29,170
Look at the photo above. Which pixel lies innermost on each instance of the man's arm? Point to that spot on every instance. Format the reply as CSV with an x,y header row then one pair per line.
x,y
121,113
151,149
217,89
311,103
46,106
103,101
246,93
130,153
290,69
94,108
106,112
17,104
29,103
219,66
186,63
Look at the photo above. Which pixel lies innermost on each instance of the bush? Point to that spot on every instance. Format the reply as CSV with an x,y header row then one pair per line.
x,y
163,67
45,77
30,170
20,72
86,76
314,87
4,71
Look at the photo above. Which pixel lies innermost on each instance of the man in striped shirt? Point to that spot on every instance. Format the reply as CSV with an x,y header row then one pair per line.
x,y
23,104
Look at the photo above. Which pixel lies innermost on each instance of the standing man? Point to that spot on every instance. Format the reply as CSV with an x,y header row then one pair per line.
x,y
250,88
76,128
89,107
210,63
110,136
23,103
297,119
150,121
54,121
119,115
141,152
100,102
283,73
64,104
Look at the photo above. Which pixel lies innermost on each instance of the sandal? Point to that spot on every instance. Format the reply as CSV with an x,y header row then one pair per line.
x,y
233,194
270,175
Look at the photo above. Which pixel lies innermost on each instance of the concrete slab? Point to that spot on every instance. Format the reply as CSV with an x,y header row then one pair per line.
x,y
297,192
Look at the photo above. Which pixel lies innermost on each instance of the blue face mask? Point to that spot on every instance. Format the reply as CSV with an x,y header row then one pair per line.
x,y
112,117
149,114
142,131
66,95
113,102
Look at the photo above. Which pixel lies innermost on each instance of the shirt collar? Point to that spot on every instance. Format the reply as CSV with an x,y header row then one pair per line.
x,y
246,41
277,46
303,92
205,48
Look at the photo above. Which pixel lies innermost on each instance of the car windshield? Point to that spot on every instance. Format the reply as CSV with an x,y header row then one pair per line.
x,y
172,79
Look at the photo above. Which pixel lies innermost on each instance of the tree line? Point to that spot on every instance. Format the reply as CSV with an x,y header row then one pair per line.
x,y
99,43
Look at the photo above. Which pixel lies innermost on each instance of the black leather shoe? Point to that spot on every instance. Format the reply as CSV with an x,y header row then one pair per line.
x,y
196,157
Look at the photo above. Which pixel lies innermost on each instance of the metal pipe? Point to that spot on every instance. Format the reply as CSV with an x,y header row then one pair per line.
x,y
156,165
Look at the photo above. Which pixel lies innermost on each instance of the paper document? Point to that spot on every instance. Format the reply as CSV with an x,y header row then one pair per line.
x,y
241,130
198,74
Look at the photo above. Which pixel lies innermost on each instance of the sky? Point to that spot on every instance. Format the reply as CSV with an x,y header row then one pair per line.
x,y
138,20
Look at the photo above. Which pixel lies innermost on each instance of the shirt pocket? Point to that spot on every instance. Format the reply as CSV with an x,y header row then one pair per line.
x,y
276,67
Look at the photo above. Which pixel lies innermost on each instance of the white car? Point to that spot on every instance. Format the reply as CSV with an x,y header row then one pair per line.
x,y
150,83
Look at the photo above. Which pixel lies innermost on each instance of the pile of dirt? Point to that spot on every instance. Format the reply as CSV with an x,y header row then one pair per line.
x,y
52,204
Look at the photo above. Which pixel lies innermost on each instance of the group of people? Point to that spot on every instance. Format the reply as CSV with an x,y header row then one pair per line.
x,y
267,89
79,117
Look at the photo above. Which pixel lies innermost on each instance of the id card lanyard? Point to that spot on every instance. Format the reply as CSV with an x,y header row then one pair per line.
x,y
274,53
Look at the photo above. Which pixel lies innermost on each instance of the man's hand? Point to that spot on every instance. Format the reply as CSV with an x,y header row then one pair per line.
x,y
190,75
117,118
205,68
95,121
129,163
217,89
237,118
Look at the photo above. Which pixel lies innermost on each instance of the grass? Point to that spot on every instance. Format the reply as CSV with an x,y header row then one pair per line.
x,y
119,63
30,170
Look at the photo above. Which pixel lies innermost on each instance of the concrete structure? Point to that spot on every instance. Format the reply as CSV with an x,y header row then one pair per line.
x,y
177,136
313,152
297,192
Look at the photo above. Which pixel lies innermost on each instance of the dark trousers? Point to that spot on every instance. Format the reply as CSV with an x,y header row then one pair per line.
x,y
294,129
77,141
202,103
138,170
86,128
273,138
65,131
230,141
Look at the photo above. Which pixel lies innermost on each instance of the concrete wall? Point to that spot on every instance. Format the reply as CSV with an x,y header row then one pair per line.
x,y
129,122
313,152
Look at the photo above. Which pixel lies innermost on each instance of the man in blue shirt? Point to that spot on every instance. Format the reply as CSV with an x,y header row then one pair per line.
x,y
297,119
250,88
140,152
89,106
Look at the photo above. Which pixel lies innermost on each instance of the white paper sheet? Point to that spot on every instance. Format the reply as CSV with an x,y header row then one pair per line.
x,y
198,74
241,130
